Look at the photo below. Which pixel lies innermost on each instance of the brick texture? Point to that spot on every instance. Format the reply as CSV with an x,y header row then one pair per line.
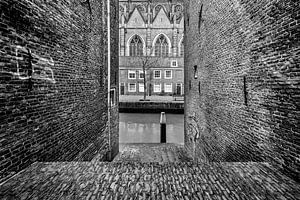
x,y
53,82
244,105
115,77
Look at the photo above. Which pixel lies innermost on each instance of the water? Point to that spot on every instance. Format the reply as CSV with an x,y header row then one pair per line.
x,y
145,128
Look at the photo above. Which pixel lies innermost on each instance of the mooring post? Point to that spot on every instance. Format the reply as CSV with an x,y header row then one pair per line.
x,y
163,126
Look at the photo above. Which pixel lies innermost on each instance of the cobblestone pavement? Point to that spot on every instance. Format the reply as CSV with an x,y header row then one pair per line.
x,y
135,180
149,171
152,153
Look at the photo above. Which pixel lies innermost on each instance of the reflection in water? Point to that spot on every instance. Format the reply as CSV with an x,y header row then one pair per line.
x,y
145,128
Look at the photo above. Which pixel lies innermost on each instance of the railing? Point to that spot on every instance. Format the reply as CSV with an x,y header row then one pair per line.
x,y
162,62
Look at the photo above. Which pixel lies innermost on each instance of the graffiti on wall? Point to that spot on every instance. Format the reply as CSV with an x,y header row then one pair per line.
x,y
27,65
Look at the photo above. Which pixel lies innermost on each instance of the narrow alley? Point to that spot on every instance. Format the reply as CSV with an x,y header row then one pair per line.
x,y
229,68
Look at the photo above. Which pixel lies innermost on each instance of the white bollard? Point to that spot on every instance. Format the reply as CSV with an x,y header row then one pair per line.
x,y
163,127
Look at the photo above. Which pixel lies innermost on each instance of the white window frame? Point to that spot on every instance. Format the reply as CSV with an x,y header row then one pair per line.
x,y
141,71
170,84
134,87
131,72
141,84
154,88
166,74
176,65
159,74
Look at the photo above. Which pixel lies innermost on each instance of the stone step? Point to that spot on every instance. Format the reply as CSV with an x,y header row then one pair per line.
x,y
152,153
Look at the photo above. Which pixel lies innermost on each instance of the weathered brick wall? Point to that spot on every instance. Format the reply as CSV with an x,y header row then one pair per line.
x,y
115,76
244,106
53,75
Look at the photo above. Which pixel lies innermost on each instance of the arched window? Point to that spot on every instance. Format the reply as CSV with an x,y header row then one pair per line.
x,y
136,46
161,46
181,53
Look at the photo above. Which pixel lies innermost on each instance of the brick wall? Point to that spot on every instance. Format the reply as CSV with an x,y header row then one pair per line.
x,y
115,76
244,105
53,82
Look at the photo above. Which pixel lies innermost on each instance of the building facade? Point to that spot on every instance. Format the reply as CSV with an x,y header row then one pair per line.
x,y
151,43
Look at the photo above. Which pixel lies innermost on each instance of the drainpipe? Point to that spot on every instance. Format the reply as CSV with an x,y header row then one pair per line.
x,y
108,79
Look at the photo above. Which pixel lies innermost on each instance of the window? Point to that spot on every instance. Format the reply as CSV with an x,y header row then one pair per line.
x,y
168,87
157,74
131,74
141,87
141,74
174,63
157,87
168,74
136,46
131,87
161,47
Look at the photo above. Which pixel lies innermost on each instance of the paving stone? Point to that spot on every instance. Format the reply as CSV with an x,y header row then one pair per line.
x,y
149,179
141,180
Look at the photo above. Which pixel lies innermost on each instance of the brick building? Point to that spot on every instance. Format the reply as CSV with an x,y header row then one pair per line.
x,y
152,31
54,84
244,104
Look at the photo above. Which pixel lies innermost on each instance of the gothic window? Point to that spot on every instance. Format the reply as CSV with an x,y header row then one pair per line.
x,y
136,46
161,46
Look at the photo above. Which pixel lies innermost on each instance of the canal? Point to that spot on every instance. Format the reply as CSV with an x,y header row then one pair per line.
x,y
145,128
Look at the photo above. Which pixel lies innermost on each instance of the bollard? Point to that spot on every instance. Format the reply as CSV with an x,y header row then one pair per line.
x,y
163,127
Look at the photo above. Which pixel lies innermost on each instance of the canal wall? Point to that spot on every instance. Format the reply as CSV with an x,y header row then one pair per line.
x,y
151,107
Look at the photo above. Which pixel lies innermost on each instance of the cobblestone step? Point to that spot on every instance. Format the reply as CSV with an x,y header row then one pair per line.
x,y
152,153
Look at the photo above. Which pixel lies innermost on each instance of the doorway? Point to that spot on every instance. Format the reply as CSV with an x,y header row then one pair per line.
x,y
178,89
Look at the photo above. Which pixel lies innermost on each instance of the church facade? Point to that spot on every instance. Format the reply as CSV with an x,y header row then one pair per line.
x,y
151,45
